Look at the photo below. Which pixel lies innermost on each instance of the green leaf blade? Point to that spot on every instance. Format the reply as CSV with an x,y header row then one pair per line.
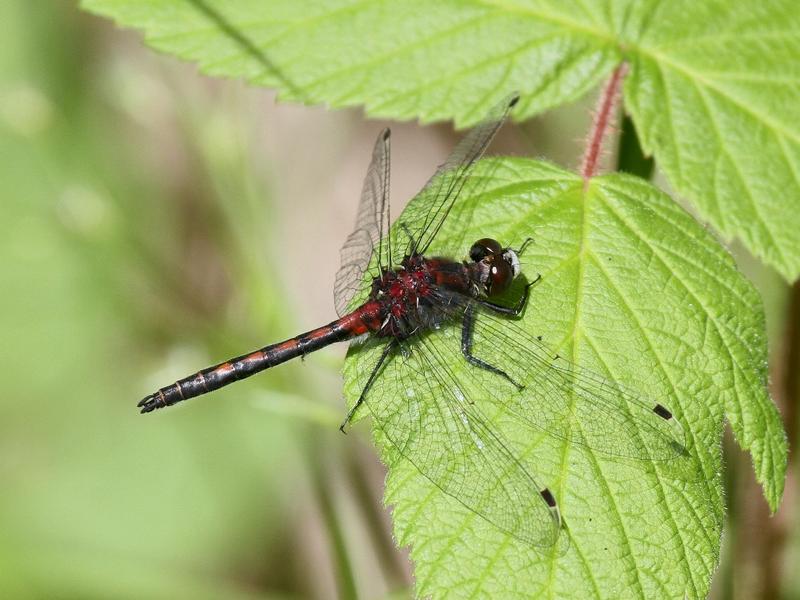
x,y
636,291
435,61
714,97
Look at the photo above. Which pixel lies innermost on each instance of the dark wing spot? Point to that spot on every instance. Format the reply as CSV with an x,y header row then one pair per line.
x,y
662,412
548,497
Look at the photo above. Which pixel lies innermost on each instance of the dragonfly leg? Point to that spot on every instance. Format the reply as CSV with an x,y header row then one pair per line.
x,y
516,310
386,350
466,348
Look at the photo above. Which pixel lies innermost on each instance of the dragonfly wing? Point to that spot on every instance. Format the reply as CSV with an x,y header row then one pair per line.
x,y
423,217
370,232
425,214
568,401
422,410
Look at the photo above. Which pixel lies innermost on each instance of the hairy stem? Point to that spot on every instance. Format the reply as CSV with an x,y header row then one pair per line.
x,y
601,123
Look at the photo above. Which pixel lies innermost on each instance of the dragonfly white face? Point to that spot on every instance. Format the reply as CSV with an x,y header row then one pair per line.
x,y
510,256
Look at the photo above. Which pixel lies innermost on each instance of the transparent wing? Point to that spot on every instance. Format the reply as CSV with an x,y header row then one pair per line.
x,y
424,215
424,412
372,225
559,397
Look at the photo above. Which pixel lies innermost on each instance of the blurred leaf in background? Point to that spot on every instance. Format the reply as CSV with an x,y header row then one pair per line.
x,y
122,267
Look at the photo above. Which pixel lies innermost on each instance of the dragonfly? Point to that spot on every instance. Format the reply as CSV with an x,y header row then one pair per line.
x,y
436,400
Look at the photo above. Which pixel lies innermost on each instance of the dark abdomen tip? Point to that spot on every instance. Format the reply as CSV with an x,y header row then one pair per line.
x,y
151,402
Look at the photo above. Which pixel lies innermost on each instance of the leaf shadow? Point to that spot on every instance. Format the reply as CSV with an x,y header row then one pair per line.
x,y
248,45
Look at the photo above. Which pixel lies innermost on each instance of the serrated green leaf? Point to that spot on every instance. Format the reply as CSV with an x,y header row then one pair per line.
x,y
636,291
713,86
433,60
714,90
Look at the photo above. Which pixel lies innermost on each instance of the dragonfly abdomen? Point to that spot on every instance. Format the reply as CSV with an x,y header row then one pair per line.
x,y
356,323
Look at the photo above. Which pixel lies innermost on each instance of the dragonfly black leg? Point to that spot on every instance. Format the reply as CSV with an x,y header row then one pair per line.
x,y
467,327
512,311
387,349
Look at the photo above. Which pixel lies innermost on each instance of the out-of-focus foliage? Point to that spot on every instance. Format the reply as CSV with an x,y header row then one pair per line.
x,y
113,283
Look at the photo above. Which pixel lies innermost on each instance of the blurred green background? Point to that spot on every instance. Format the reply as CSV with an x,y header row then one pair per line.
x,y
156,221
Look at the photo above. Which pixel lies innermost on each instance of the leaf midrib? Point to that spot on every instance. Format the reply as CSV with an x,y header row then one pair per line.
x,y
659,361
556,19
585,195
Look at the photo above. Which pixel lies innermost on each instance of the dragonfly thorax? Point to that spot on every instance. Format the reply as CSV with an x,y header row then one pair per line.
x,y
411,296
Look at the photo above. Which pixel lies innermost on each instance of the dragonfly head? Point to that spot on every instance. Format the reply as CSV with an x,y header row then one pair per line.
x,y
496,267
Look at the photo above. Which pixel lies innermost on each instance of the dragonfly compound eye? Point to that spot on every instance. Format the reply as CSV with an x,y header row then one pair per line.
x,y
483,248
500,275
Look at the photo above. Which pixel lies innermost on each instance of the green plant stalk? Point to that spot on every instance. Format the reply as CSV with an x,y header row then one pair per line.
x,y
322,492
390,560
